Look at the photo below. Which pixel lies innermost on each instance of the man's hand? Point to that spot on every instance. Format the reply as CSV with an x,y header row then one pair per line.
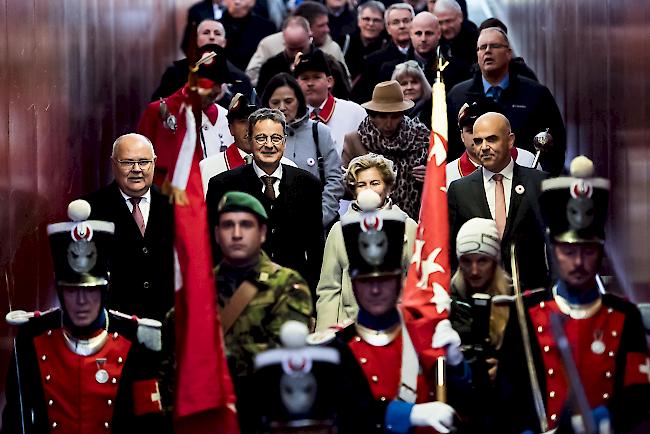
x,y
419,172
492,370
437,415
446,336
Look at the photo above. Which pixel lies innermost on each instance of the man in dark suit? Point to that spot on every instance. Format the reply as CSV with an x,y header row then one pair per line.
x,y
528,105
141,260
506,192
291,197
398,25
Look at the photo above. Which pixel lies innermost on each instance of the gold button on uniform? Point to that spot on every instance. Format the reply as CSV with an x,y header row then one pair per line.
x,y
552,394
551,371
374,378
540,329
608,374
363,360
547,348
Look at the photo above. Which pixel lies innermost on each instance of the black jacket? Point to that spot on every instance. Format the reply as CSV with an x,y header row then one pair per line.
x,y
373,64
356,52
142,268
294,236
243,36
462,49
175,77
466,197
530,108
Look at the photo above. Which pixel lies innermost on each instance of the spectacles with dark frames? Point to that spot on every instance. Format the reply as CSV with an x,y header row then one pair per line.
x,y
263,139
130,164
496,46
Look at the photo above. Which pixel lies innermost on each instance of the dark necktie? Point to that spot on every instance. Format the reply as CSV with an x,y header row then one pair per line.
x,y
315,113
269,191
499,203
137,214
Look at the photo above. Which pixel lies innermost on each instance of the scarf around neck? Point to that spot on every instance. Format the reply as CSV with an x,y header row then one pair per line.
x,y
407,149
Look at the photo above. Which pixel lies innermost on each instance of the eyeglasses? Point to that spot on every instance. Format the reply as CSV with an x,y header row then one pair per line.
x,y
402,21
484,47
371,20
263,139
130,164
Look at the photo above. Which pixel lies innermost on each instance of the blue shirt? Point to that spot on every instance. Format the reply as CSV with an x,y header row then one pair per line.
x,y
487,87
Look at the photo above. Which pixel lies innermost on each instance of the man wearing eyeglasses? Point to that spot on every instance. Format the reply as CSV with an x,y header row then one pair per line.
x,y
368,37
141,256
398,18
528,105
291,197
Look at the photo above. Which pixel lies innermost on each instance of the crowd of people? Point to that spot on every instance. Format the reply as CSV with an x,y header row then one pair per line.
x,y
270,205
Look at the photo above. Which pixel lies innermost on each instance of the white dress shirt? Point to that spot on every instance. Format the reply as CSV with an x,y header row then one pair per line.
x,y
346,118
144,205
277,174
490,185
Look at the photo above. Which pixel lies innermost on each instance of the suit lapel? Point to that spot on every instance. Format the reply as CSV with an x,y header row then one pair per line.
x,y
514,211
478,191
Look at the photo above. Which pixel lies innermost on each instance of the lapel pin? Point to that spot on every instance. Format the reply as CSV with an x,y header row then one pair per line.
x,y
311,162
520,189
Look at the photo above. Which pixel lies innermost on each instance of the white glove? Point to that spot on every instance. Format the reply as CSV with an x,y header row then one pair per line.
x,y
445,335
437,415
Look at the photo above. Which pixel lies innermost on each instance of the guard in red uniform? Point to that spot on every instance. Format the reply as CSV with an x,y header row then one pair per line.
x,y
170,123
82,369
605,332
385,387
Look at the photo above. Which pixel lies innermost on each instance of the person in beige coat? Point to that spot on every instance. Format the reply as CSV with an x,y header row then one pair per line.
x,y
335,299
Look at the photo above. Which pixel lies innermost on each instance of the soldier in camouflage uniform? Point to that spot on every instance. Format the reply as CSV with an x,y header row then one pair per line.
x,y
255,295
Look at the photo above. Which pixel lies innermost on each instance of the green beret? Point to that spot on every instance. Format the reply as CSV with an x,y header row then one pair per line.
x,y
237,201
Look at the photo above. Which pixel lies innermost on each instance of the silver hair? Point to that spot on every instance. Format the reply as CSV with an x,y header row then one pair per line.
x,y
398,6
448,4
223,29
266,113
374,5
413,69
140,137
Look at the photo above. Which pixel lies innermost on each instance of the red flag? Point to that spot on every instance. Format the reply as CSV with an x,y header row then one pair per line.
x,y
205,399
426,298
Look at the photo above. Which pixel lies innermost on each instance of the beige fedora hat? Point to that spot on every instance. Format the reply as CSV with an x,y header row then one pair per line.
x,y
387,97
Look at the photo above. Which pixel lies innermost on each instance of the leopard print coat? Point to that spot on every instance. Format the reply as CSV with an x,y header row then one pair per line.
x,y
407,150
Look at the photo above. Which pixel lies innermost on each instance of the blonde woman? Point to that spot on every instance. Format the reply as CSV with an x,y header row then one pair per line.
x,y
335,299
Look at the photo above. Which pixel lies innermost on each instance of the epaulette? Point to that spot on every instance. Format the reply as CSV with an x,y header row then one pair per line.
x,y
535,296
20,317
148,331
326,336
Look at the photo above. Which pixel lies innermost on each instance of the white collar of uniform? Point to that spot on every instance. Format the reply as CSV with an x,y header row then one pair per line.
x,y
242,153
259,172
507,172
146,197
320,107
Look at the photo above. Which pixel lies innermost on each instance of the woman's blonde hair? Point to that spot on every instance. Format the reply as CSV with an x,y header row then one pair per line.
x,y
411,68
364,162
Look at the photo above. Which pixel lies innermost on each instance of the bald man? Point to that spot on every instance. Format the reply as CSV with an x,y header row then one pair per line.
x,y
425,34
141,259
297,37
506,192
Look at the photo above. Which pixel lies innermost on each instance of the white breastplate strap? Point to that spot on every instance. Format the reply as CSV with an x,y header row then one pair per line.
x,y
410,369
86,347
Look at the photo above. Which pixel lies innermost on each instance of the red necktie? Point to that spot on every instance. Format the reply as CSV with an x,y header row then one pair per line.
x,y
499,204
137,214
